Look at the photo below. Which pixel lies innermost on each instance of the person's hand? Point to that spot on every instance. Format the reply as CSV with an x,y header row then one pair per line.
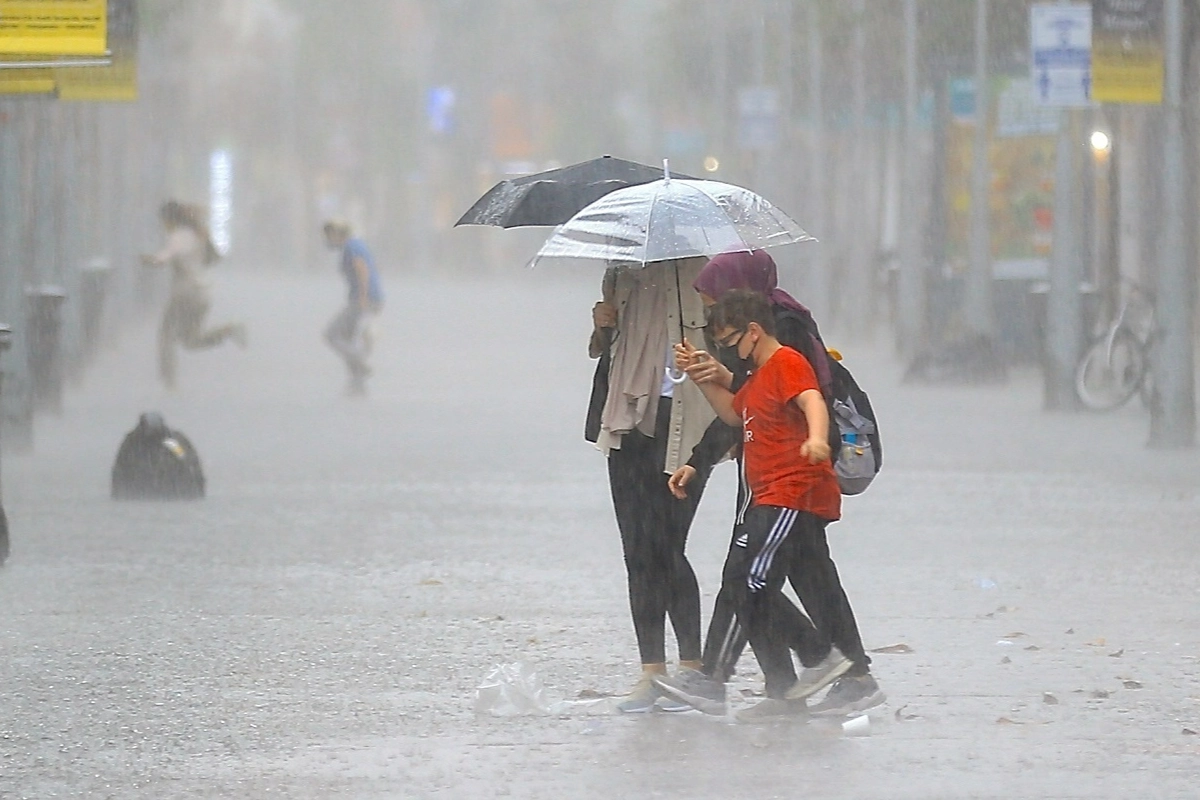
x,y
604,315
703,368
684,354
815,450
679,480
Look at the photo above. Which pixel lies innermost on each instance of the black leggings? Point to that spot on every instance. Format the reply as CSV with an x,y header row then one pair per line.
x,y
654,529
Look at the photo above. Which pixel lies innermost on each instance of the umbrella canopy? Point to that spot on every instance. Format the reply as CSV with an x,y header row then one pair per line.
x,y
669,219
554,196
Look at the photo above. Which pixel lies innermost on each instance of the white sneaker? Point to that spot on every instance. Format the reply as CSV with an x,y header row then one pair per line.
x,y
814,679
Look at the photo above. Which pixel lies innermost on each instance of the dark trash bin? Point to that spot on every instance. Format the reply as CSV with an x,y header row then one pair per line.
x,y
44,325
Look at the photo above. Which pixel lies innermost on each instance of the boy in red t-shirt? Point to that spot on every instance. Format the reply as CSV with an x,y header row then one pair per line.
x,y
786,460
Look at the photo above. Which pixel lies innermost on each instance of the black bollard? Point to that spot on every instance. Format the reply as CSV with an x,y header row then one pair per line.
x,y
44,323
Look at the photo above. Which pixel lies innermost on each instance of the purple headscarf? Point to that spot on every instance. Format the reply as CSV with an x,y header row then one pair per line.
x,y
754,270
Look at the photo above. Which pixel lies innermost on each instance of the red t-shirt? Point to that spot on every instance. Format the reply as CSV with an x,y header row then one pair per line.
x,y
773,428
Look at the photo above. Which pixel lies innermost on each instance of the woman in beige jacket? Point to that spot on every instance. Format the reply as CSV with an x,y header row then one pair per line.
x,y
647,424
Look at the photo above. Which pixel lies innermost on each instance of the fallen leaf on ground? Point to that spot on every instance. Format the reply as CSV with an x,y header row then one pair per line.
x,y
1188,732
1033,647
901,716
431,582
894,648
1131,684
1117,654
1014,635
1069,630
1096,643
1007,721
1049,699
1006,660
1100,694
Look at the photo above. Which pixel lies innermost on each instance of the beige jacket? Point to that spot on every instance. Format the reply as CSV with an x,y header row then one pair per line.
x,y
690,412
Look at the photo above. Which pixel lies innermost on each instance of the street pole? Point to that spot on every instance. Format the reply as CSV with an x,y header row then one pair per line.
x,y
1064,326
911,324
1173,408
978,301
822,283
16,410
858,294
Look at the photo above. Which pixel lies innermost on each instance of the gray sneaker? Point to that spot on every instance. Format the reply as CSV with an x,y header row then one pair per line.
x,y
694,688
642,699
814,679
772,708
850,695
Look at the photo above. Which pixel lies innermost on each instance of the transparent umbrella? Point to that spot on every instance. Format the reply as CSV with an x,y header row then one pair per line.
x,y
671,218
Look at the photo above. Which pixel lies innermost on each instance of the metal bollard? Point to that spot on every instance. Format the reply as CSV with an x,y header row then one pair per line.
x,y
93,289
44,323
5,344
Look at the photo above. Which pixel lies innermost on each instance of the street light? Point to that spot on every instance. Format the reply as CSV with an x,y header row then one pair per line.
x,y
1101,145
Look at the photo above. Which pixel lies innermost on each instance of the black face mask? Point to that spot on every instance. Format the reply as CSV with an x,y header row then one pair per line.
x,y
732,361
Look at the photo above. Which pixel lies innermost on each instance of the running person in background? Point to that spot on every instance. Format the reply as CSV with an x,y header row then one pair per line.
x,y
349,332
188,251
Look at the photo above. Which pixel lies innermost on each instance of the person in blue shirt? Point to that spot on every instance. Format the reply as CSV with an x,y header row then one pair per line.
x,y
349,334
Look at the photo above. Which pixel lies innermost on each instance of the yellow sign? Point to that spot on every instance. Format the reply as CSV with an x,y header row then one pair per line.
x,y
26,81
111,78
54,27
116,82
1127,51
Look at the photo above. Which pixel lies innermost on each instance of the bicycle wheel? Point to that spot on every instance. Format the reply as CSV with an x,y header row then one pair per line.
x,y
1106,378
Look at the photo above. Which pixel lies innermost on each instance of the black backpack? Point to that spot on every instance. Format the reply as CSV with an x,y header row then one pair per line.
x,y
156,462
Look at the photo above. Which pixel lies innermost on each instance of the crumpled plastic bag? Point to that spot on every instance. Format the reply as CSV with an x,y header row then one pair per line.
x,y
513,690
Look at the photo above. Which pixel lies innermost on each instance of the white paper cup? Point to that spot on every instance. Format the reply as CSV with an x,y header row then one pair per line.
x,y
859,726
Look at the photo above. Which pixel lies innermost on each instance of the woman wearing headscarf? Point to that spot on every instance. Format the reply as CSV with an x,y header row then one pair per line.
x,y
188,252
646,424
829,646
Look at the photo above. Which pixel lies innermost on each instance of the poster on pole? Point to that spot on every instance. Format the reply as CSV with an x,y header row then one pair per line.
x,y
54,27
1127,51
1060,37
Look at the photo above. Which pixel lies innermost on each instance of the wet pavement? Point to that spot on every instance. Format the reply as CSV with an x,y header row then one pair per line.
x,y
317,626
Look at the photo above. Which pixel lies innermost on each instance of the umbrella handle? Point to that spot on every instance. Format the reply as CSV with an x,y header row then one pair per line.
x,y
676,377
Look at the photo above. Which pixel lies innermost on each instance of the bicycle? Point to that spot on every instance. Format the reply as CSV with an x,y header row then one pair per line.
x,y
1116,365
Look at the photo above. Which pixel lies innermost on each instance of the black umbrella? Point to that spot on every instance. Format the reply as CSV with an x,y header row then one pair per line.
x,y
554,196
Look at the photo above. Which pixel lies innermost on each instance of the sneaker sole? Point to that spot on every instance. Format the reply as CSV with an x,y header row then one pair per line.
x,y
801,692
705,704
635,709
870,701
673,705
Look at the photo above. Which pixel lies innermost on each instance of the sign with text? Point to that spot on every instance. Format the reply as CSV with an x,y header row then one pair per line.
x,y
1060,38
1127,51
54,27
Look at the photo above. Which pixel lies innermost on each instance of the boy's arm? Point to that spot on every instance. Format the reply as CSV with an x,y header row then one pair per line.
x,y
812,403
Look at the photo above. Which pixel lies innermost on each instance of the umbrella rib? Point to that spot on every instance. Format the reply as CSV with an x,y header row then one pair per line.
x,y
649,222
